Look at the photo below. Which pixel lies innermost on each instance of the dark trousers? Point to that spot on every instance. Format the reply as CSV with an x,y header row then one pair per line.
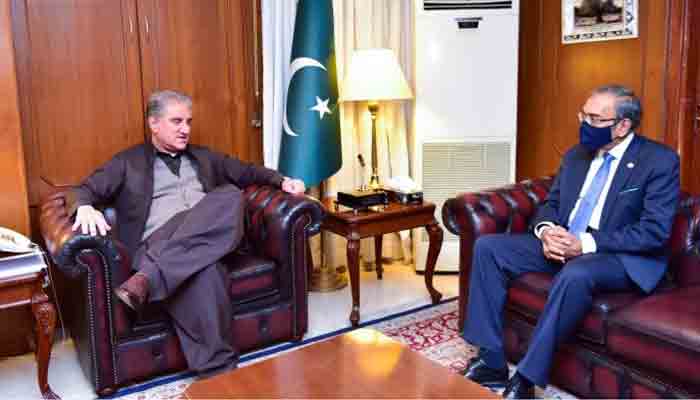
x,y
181,261
500,258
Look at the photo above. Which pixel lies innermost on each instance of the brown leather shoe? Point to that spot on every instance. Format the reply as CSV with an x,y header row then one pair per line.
x,y
134,292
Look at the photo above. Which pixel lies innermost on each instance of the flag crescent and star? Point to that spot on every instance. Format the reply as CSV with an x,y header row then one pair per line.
x,y
310,148
296,65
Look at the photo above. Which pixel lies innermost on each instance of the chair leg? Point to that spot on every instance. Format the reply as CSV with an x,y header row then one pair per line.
x,y
106,392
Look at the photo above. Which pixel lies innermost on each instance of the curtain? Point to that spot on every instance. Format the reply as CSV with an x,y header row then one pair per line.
x,y
277,33
361,24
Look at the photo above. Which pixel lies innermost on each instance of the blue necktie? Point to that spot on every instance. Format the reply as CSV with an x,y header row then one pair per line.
x,y
579,223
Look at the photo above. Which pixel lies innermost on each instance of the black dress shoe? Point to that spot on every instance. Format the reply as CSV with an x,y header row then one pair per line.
x,y
518,387
479,372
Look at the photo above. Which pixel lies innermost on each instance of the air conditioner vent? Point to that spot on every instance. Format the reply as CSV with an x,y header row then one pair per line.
x,y
435,5
450,168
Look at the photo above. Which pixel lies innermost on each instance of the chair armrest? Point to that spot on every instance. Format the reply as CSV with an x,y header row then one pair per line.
x,y
278,227
94,265
499,210
502,210
684,245
476,214
65,246
274,218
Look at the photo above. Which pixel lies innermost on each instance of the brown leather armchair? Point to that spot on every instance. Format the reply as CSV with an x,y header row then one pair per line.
x,y
268,277
629,345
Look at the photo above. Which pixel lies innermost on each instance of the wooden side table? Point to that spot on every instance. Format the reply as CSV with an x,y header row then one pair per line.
x,y
394,217
28,289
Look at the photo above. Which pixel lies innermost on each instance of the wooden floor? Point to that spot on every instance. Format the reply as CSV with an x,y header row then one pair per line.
x,y
361,364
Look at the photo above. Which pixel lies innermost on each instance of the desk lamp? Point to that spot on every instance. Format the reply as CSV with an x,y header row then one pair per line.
x,y
374,75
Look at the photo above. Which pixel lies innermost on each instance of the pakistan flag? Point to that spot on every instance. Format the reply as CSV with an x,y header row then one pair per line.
x,y
310,148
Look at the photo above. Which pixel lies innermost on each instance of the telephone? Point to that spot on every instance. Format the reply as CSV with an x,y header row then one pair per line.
x,y
13,242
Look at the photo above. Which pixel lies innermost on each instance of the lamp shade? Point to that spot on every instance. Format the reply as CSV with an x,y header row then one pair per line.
x,y
374,75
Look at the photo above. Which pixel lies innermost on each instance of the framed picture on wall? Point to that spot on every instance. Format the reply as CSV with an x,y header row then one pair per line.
x,y
595,20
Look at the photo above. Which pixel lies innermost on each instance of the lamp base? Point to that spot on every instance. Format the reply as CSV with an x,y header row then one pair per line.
x,y
374,181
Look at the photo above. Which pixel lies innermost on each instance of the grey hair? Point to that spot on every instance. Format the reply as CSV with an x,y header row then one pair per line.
x,y
627,104
160,99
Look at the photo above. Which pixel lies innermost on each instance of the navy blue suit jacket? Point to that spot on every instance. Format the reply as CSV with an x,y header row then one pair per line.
x,y
638,212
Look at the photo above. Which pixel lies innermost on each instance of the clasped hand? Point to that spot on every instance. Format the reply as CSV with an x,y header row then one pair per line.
x,y
560,245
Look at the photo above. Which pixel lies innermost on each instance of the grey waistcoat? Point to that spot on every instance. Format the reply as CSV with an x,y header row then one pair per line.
x,y
172,194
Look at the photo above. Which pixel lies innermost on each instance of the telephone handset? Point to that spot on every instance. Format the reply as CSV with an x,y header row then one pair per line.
x,y
13,242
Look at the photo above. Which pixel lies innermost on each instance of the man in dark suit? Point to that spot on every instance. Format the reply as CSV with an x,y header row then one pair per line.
x,y
602,228
180,210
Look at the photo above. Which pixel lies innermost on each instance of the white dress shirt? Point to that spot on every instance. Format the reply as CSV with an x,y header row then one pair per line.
x,y
588,244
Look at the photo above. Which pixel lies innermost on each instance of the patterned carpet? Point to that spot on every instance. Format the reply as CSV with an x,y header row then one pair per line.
x,y
433,332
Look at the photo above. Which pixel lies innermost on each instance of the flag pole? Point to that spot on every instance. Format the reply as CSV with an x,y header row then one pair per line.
x,y
326,277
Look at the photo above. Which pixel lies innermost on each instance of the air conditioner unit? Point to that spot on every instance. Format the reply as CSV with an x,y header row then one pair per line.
x,y
482,7
466,58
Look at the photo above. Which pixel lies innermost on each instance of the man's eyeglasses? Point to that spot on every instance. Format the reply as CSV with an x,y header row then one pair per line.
x,y
595,120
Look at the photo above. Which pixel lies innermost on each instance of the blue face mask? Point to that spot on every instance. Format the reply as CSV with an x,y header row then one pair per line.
x,y
594,138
